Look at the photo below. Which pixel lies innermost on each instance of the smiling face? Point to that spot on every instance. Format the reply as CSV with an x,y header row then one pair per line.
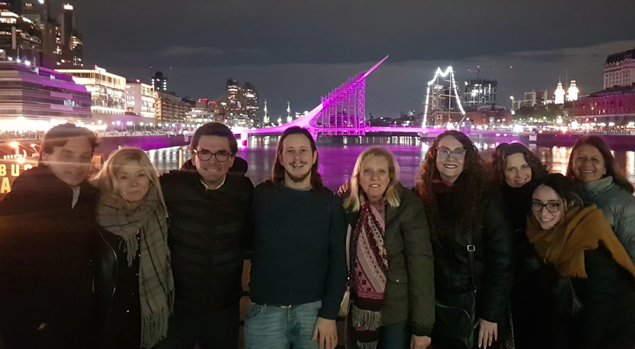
x,y
374,177
297,158
450,160
211,170
547,207
517,170
70,162
588,164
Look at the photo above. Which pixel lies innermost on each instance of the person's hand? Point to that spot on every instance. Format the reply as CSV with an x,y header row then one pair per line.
x,y
420,342
344,188
487,334
325,333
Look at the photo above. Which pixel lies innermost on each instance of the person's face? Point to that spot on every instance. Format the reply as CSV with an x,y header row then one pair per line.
x,y
297,157
207,165
588,164
374,177
450,158
133,182
70,162
547,207
517,170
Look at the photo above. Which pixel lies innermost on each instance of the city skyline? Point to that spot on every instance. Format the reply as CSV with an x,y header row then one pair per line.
x,y
303,58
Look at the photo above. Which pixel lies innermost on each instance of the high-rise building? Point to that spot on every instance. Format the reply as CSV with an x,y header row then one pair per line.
x,y
250,100
171,108
619,69
140,99
20,38
239,106
534,98
71,40
14,6
480,92
160,82
108,90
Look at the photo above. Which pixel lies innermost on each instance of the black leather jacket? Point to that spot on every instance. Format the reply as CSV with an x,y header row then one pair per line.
x,y
493,257
112,297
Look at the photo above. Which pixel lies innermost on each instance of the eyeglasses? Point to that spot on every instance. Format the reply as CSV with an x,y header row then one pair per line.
x,y
457,153
552,207
205,155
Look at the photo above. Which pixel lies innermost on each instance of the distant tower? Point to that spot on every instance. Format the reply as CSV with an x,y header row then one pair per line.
x,y
572,94
289,118
279,121
266,118
559,94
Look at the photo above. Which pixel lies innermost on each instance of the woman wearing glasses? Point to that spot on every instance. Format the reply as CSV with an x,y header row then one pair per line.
x,y
586,274
472,243
515,171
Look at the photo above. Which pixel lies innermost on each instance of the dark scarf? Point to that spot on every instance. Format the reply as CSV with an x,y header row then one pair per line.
x,y
370,265
156,284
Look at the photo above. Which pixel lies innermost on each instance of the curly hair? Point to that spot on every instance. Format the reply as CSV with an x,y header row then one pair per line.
x,y
612,168
472,184
498,161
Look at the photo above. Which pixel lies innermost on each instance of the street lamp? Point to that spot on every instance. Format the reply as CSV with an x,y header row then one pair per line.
x,y
15,145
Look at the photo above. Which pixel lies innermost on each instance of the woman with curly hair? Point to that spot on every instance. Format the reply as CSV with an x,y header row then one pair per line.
x,y
515,170
472,244
603,184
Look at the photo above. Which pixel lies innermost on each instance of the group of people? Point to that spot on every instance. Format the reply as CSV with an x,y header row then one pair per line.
x,y
497,254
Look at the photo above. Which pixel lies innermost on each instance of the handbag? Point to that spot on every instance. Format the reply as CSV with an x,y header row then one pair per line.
x,y
345,305
565,299
455,316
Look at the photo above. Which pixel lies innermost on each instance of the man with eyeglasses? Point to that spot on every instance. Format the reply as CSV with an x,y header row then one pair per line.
x,y
210,226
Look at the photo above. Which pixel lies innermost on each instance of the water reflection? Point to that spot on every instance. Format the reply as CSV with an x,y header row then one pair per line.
x,y
337,160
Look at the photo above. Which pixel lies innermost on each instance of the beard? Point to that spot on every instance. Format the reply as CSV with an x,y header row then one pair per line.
x,y
297,179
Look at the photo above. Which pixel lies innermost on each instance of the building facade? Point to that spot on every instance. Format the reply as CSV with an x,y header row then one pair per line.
x,y
489,116
72,46
614,105
20,38
534,98
159,82
108,90
619,69
171,108
239,106
35,93
140,99
480,92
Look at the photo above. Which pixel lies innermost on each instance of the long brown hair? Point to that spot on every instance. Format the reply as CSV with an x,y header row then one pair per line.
x,y
472,184
612,169
278,173
498,161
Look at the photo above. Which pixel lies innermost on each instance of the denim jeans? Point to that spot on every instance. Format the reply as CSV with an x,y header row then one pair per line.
x,y
272,327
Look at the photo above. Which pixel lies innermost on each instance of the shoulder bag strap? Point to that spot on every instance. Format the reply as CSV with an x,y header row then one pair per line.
x,y
471,249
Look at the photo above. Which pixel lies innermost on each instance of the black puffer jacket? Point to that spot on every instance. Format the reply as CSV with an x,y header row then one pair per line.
x,y
493,256
208,237
45,252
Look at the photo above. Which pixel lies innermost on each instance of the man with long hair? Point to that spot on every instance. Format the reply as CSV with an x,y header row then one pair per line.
x,y
298,274
210,215
47,227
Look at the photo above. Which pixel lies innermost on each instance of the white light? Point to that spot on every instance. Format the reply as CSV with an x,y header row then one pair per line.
x,y
41,2
27,62
10,58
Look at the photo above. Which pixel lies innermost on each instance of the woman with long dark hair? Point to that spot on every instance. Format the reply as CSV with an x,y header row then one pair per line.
x,y
516,170
391,263
133,284
586,275
472,242
604,185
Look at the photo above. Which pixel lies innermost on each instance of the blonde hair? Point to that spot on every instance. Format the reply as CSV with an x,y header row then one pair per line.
x,y
107,182
392,194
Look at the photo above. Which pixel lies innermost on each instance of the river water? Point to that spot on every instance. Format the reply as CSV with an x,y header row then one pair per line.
x,y
336,161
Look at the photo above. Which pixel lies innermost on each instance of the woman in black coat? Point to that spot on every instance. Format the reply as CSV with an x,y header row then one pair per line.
x,y
472,242
133,284
588,277
516,170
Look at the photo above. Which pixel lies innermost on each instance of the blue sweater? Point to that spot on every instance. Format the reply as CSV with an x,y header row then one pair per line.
x,y
299,248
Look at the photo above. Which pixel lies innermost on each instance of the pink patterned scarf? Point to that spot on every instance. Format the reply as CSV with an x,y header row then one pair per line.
x,y
370,267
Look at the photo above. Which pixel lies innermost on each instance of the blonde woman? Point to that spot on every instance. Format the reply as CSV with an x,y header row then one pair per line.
x,y
133,283
391,264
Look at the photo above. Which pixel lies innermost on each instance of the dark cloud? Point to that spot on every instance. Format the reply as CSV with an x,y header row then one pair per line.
x,y
299,50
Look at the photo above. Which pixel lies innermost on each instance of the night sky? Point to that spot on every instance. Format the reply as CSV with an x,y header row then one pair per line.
x,y
298,50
